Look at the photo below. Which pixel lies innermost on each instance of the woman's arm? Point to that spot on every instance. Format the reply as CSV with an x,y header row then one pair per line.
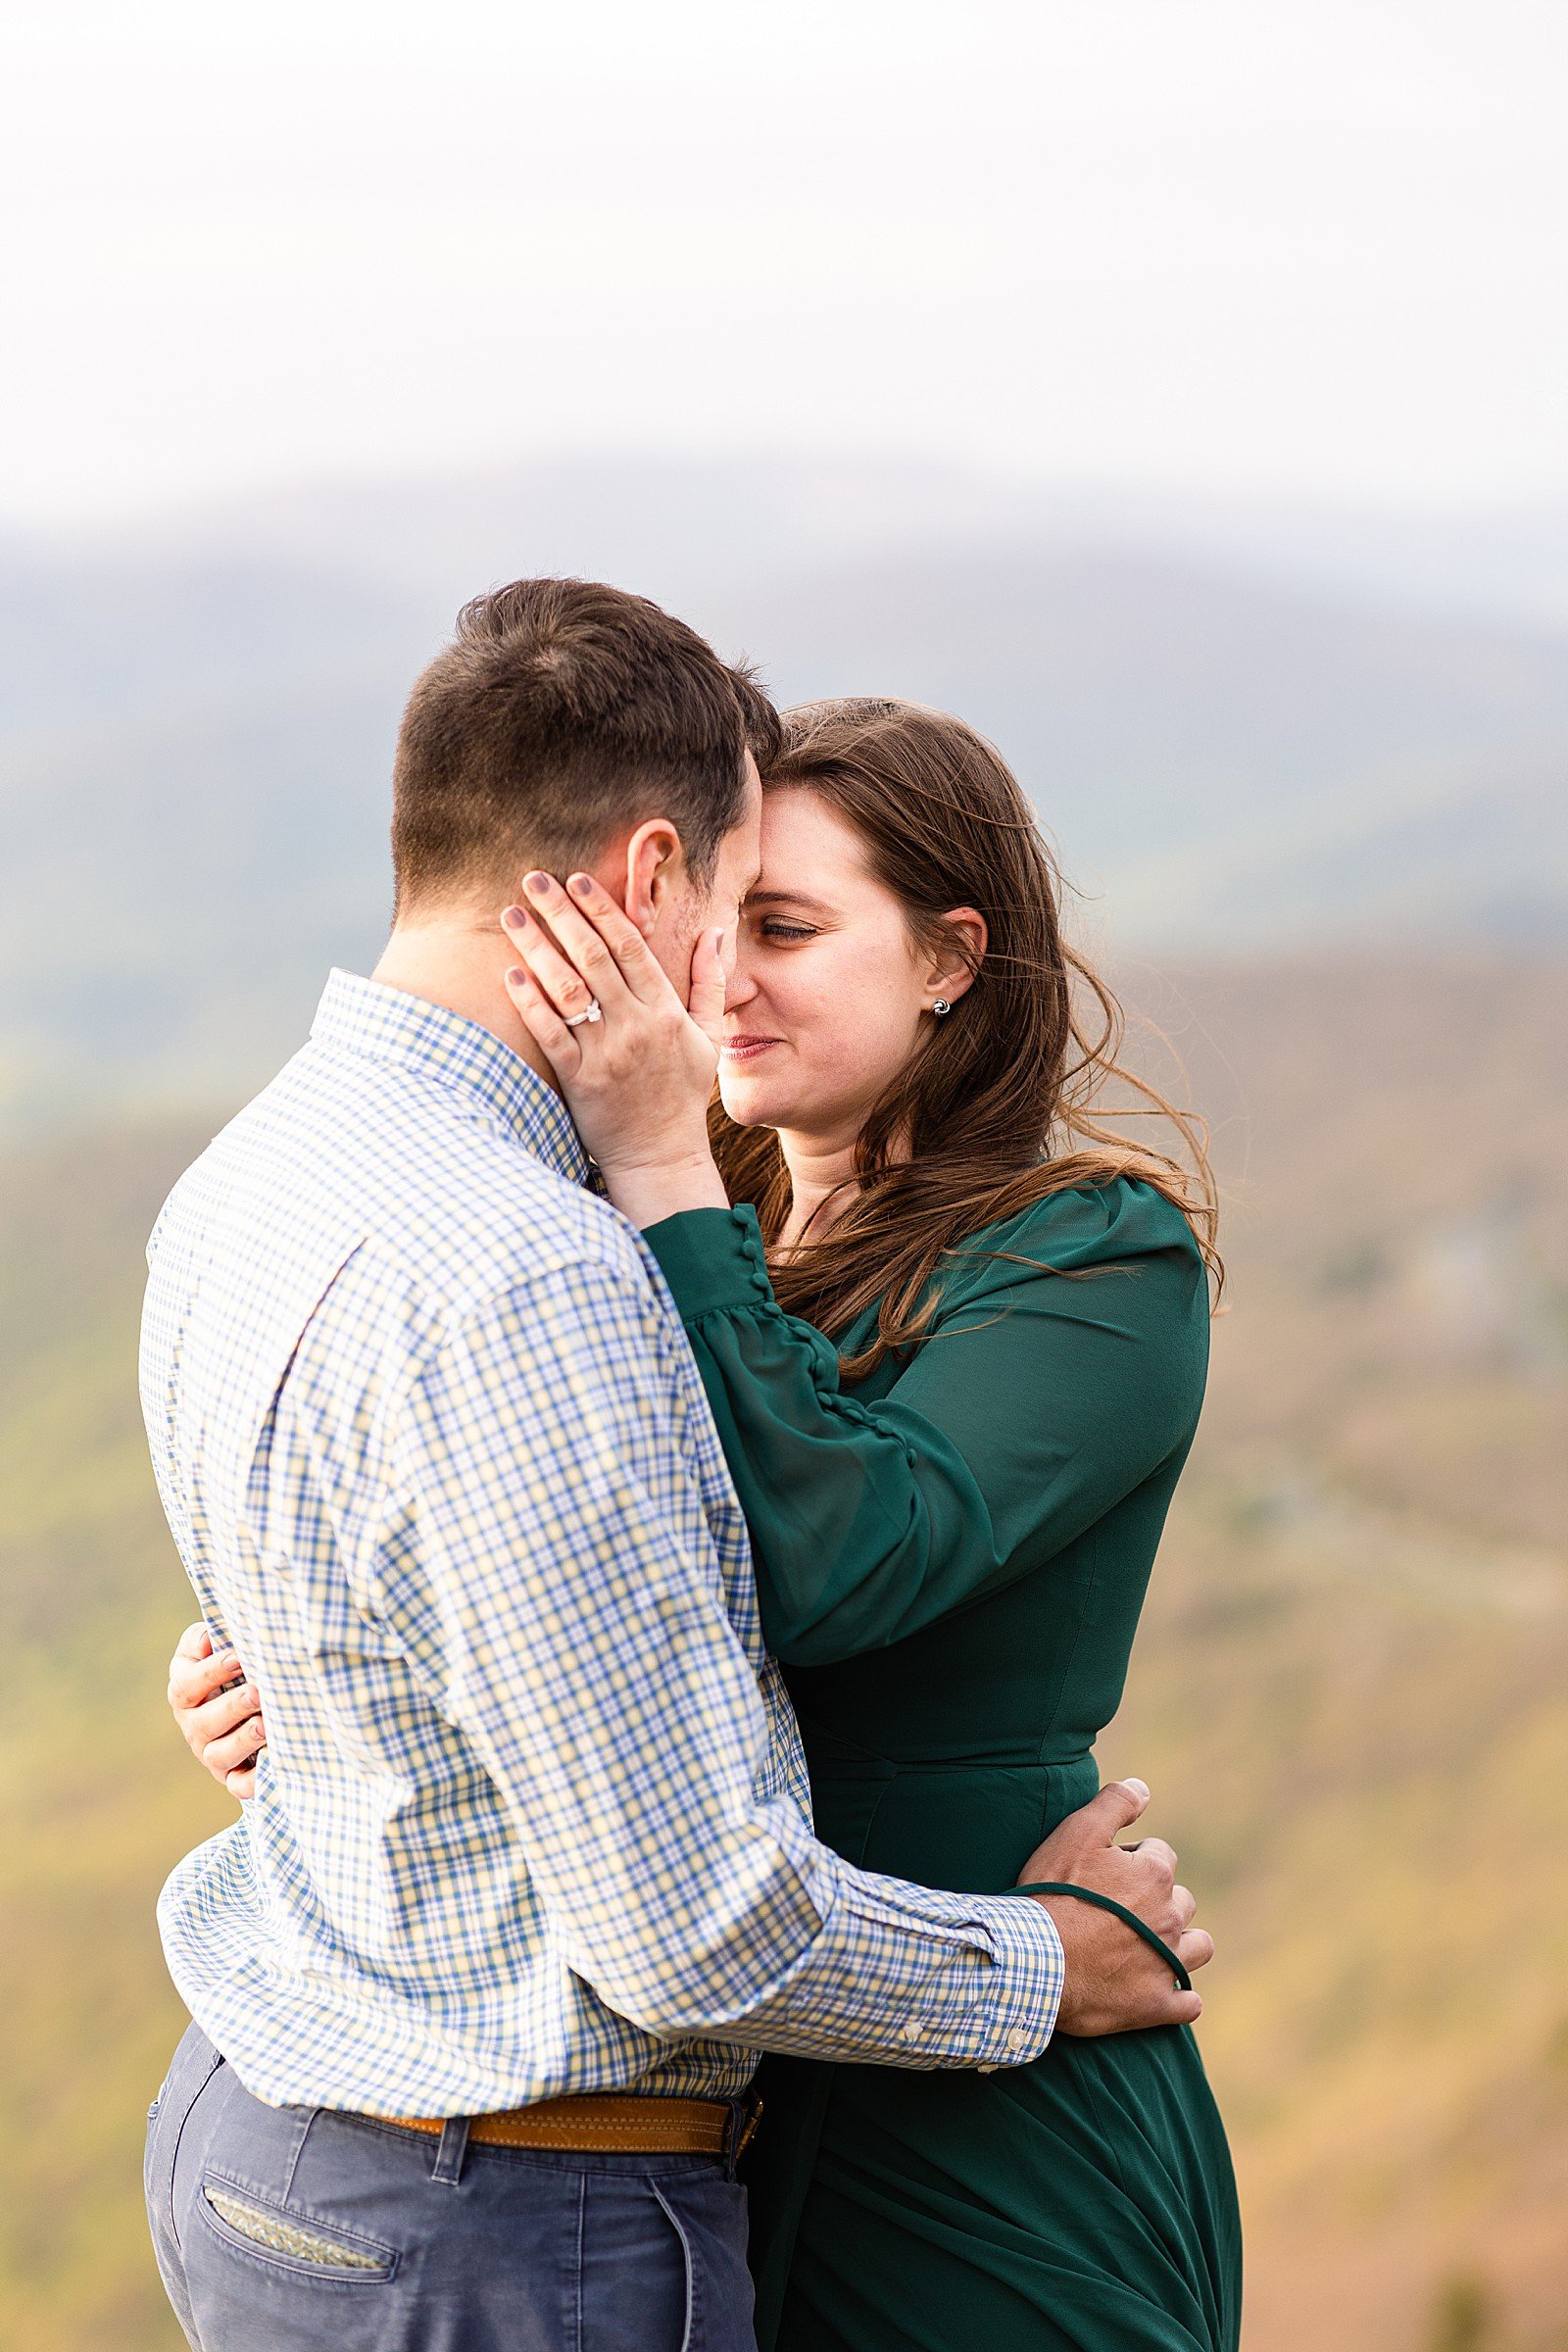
x,y
1046,1392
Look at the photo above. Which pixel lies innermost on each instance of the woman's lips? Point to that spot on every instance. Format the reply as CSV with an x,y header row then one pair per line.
x,y
745,1048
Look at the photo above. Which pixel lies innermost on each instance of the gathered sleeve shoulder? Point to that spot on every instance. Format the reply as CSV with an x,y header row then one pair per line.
x,y
1065,1365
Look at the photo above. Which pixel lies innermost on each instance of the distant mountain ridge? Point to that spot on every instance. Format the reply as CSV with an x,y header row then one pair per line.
x,y
670,522
195,729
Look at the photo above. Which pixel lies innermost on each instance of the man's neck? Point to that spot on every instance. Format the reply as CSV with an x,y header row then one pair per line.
x,y
460,965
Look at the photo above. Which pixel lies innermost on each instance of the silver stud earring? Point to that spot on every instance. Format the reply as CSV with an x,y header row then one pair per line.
x,y
942,1008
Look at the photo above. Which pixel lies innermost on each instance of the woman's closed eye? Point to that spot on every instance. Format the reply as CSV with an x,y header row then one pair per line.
x,y
774,926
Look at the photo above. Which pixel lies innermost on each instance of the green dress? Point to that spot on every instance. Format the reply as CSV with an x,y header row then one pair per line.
x,y
952,1558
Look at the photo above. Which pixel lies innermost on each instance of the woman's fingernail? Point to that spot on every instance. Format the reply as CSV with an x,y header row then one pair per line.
x,y
518,976
539,884
583,884
518,915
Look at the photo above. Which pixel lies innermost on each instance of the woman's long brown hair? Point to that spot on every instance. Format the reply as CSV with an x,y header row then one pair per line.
x,y
997,1108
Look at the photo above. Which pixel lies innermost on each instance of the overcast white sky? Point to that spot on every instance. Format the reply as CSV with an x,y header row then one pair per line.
x,y
1291,246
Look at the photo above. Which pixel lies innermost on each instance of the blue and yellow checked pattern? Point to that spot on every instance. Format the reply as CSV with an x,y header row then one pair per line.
x,y
533,1818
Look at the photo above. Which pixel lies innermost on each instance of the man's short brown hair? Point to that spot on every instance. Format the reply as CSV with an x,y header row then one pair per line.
x,y
563,714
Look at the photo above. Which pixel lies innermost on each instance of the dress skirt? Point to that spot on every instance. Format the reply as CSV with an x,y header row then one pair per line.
x,y
1082,2203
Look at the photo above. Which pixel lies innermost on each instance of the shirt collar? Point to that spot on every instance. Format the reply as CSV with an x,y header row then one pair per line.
x,y
387,1025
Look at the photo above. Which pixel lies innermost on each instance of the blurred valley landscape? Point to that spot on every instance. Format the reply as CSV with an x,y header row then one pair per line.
x,y
1244,740
1311,776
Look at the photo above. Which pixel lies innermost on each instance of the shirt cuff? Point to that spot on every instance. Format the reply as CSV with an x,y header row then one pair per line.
x,y
996,2007
712,1260
1031,1973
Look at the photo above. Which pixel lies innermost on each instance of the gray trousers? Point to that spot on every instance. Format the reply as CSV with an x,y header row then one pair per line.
x,y
298,2230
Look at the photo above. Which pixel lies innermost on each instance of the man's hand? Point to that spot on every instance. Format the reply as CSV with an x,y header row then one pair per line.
x,y
217,1711
1114,1981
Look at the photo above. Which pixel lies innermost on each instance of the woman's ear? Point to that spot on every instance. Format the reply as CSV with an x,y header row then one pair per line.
x,y
953,967
654,866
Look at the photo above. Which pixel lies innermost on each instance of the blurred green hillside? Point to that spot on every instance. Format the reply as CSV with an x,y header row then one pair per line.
x,y
1351,1695
94,1805
1352,1692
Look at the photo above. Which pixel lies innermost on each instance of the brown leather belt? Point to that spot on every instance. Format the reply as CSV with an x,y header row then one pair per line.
x,y
607,2122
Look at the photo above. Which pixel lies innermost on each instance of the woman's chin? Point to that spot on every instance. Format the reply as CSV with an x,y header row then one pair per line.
x,y
750,1101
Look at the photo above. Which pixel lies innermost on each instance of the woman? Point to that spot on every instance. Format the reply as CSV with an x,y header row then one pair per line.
x,y
954,1338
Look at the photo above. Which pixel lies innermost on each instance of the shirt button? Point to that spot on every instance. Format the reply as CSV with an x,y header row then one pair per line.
x,y
1017,2038
911,2033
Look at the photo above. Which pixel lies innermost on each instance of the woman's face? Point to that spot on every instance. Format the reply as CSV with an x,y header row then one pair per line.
x,y
829,990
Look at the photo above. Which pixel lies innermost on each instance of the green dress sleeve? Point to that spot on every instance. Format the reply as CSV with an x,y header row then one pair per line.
x,y
1065,1365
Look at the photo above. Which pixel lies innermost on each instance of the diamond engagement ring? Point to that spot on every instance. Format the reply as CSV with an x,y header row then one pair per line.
x,y
593,1012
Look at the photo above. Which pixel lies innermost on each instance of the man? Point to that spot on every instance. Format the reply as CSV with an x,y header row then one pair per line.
x,y
528,1876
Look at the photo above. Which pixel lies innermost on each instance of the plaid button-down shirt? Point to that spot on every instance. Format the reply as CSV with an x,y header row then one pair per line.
x,y
533,1817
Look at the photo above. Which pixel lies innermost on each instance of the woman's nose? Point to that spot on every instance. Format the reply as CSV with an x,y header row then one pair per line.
x,y
742,987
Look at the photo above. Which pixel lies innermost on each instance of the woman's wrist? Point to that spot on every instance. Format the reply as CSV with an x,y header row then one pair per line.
x,y
649,1195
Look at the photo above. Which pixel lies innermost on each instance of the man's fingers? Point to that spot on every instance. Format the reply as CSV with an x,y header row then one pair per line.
x,y
194,1643
1185,1905
1117,1806
1156,1851
241,1783
1075,1846
1194,1949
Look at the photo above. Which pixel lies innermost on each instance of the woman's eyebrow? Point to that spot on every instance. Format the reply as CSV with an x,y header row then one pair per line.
x,y
789,897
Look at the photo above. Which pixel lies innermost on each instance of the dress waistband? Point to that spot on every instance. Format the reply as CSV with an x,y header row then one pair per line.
x,y
967,1822
831,1751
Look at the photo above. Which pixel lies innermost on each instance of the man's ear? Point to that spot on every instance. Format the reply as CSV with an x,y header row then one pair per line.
x,y
952,971
650,870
